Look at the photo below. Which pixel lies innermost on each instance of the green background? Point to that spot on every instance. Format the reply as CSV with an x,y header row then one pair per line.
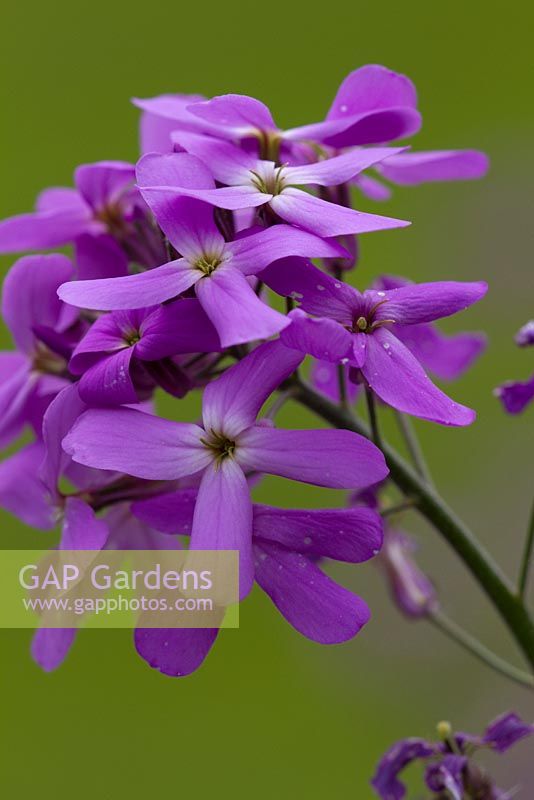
x,y
271,714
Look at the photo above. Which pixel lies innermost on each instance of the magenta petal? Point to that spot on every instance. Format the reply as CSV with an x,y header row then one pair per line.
x,y
99,257
132,291
338,459
223,517
175,651
325,378
16,394
170,513
233,401
50,646
29,295
317,293
235,310
424,302
109,383
253,253
173,169
352,535
448,357
322,338
227,163
60,416
180,327
239,112
400,381
82,530
410,169
42,230
312,603
61,198
103,182
339,169
22,493
327,219
125,440
516,395
187,223
231,197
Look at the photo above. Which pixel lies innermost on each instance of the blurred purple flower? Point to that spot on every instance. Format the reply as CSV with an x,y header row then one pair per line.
x,y
517,395
450,768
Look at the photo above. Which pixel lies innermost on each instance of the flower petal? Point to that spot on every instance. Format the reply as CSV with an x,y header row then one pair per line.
x,y
345,534
312,603
51,646
227,163
29,295
339,169
234,308
136,443
448,357
322,338
223,517
516,395
233,401
242,114
399,380
175,651
82,530
253,253
42,230
99,256
338,459
102,183
108,382
132,291
187,223
174,328
410,169
425,302
22,492
170,513
327,219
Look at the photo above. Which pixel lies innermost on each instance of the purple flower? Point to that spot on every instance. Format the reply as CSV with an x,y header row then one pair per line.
x,y
517,395
97,216
412,590
126,353
373,105
450,767
249,182
286,545
218,270
359,329
44,331
228,444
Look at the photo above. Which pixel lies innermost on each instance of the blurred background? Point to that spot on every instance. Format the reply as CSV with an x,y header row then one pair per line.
x,y
269,713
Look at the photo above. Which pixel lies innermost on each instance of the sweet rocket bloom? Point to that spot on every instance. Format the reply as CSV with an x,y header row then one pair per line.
x,y
517,395
451,771
286,546
249,182
359,329
126,353
164,114
217,269
373,105
97,216
45,331
228,444
413,592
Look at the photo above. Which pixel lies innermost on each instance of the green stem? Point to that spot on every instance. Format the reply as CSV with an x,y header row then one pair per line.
x,y
527,557
479,650
342,381
373,420
432,506
413,446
